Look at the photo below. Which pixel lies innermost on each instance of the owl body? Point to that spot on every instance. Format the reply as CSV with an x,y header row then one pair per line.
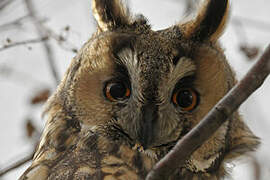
x,y
131,93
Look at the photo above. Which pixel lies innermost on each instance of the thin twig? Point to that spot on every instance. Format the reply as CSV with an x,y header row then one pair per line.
x,y
240,31
253,23
5,3
213,120
61,40
42,32
30,41
190,6
256,168
16,22
16,164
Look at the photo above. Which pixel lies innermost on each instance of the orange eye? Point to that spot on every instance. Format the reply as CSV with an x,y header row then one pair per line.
x,y
117,91
187,99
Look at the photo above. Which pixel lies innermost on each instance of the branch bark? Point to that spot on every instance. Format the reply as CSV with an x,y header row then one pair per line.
x,y
213,120
16,164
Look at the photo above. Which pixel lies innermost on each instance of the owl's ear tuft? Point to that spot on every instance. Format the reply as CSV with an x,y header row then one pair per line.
x,y
209,22
110,14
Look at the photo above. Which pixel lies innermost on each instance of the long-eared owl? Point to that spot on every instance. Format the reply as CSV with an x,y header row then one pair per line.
x,y
132,92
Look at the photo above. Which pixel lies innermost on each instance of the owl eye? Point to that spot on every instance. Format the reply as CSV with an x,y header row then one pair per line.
x,y
187,99
117,91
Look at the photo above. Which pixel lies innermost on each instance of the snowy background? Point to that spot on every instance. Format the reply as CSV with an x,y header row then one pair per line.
x,y
24,70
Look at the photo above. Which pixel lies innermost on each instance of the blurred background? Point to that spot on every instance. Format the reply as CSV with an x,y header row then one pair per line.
x,y
39,38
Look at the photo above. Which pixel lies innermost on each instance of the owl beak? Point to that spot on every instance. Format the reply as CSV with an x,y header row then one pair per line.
x,y
149,117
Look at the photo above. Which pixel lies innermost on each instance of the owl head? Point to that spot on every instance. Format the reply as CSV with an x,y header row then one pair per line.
x,y
152,87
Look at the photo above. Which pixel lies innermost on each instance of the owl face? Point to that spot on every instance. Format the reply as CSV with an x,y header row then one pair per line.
x,y
154,86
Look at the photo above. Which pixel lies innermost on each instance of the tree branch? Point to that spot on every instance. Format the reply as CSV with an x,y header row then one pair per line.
x,y
16,164
213,120
42,32
30,41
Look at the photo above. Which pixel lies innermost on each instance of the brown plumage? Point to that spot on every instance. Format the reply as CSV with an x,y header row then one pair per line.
x,y
131,93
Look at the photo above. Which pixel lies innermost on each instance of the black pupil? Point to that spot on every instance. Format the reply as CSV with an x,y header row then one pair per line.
x,y
118,90
184,98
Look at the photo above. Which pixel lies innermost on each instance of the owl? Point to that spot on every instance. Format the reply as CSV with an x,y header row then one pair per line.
x,y
131,93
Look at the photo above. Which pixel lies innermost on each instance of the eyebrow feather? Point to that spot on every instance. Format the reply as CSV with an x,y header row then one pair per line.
x,y
184,68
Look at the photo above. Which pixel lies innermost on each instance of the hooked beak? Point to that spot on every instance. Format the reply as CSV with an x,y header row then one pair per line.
x,y
147,124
